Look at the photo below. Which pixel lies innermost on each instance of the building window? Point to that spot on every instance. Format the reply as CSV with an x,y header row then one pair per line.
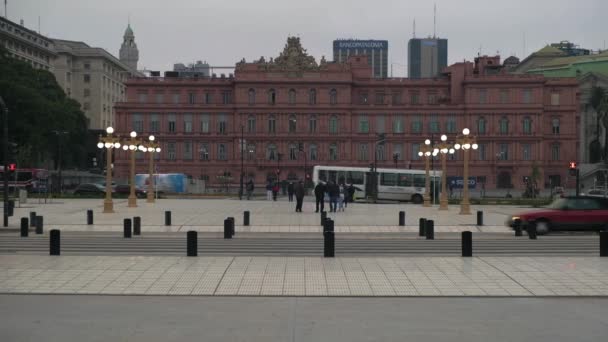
x,y
171,151
191,98
434,124
171,121
176,97
160,97
312,97
226,97
222,124
362,153
398,151
187,123
414,98
208,98
272,97
450,125
555,152
221,152
292,123
481,155
86,106
503,152
251,124
142,97
483,96
272,124
504,96
380,124
292,96
415,150
203,151
380,152
432,98
251,151
527,125
396,98
251,96
504,125
154,123
333,97
379,98
86,92
555,180
138,123
205,123
187,150
312,124
363,98
313,152
333,124
416,124
398,124
87,66
333,152
363,124
555,99
526,152
87,78
481,125
271,152
293,152
526,95
555,126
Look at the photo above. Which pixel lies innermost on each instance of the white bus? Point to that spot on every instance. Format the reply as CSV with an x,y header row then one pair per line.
x,y
393,184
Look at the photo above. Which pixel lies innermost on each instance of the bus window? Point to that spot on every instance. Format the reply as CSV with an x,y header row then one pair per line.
x,y
356,177
24,176
341,177
419,181
388,179
323,175
333,175
406,179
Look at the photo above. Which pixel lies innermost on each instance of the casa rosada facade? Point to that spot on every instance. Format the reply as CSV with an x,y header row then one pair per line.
x,y
291,113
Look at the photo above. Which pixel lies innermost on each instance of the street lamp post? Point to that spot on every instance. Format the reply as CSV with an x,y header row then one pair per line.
x,y
108,142
427,153
152,147
242,148
466,142
5,152
444,148
134,144
60,179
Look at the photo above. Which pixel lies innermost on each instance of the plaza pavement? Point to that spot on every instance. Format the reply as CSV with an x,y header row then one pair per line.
x,y
305,276
207,215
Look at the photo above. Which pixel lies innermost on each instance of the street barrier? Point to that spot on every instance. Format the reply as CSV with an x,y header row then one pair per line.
x,y
89,217
323,217
137,225
54,248
467,244
127,228
232,228
24,227
32,219
39,224
192,243
167,218
429,229
246,215
480,218
421,225
402,218
227,229
329,241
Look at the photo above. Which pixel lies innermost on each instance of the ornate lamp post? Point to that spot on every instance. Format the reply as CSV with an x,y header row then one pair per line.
x,y
108,142
444,148
466,142
132,145
152,147
427,152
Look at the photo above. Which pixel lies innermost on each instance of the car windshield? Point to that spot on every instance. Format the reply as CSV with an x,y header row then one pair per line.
x,y
558,204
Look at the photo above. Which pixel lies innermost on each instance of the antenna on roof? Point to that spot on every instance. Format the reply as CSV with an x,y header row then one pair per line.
x,y
414,28
524,54
434,20
39,25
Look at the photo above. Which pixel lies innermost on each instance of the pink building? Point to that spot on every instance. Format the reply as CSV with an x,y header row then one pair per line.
x,y
329,114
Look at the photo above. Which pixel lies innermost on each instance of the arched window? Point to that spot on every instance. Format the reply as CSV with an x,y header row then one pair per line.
x,y
312,97
333,151
312,124
333,97
251,96
272,124
293,152
313,152
481,125
504,125
292,123
271,152
555,126
527,125
333,124
251,151
272,96
292,96
251,124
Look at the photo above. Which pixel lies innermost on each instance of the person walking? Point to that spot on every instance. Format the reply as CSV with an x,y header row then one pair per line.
x,y
320,190
290,190
334,194
249,188
342,198
275,191
299,191
269,190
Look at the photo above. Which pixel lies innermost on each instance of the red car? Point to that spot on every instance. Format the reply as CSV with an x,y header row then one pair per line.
x,y
568,213
125,189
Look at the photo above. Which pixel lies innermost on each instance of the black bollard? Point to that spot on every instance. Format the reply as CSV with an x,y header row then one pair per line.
x,y
467,244
127,228
402,218
55,242
137,225
323,217
329,225
167,218
227,229
246,215
32,219
24,227
11,207
518,228
604,244
232,228
192,243
531,228
480,218
89,217
329,239
39,224
429,229
421,225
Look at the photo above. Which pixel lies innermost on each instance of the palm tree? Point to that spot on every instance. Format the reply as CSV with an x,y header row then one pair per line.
x,y
599,103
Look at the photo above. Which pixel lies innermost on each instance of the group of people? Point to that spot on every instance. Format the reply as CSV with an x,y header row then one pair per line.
x,y
339,196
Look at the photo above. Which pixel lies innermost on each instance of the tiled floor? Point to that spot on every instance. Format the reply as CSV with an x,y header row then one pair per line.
x,y
298,276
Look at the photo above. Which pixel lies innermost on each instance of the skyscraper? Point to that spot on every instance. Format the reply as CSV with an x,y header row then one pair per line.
x,y
376,50
427,57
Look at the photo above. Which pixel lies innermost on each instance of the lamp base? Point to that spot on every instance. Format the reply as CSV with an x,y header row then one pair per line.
x,y
132,202
108,206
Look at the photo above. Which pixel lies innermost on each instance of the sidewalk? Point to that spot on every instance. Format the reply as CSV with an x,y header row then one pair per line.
x,y
305,276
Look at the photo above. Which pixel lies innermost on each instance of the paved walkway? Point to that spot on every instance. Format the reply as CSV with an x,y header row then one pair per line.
x,y
306,276
266,216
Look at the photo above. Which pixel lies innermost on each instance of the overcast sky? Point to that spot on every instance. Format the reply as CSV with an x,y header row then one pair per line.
x,y
224,31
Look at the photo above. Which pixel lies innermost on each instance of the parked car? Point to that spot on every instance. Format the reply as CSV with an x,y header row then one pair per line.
x,y
568,213
89,189
125,189
597,193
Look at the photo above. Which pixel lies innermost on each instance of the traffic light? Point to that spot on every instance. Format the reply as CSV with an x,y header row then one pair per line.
x,y
278,171
12,167
572,168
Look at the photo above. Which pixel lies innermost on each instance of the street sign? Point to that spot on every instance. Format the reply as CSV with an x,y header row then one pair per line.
x,y
457,182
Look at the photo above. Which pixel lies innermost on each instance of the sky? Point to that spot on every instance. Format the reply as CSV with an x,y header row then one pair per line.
x,y
222,32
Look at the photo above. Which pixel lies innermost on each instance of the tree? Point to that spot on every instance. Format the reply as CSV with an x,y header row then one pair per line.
x,y
599,102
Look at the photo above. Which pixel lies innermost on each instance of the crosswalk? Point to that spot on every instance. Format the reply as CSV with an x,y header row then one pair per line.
x,y
260,244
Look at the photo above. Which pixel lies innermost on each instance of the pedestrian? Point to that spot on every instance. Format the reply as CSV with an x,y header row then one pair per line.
x,y
299,191
275,191
451,189
334,194
320,190
350,192
341,198
269,190
290,190
249,188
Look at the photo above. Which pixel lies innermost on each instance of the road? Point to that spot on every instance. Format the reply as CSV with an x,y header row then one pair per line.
x,y
301,244
209,319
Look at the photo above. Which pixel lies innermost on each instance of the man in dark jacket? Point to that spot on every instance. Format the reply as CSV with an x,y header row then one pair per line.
x,y
320,196
334,193
299,191
290,190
